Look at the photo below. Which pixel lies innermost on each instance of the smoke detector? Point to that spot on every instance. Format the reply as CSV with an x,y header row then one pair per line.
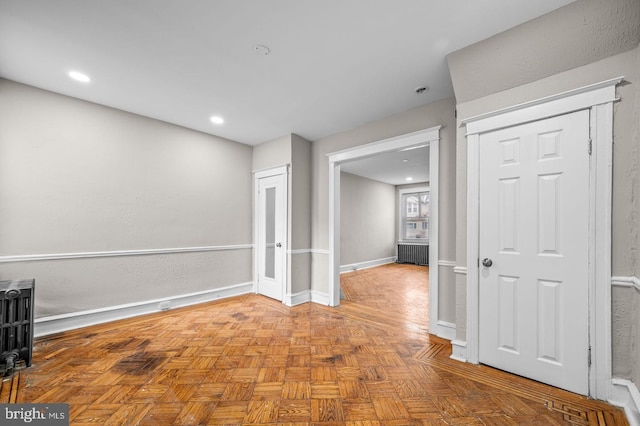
x,y
261,50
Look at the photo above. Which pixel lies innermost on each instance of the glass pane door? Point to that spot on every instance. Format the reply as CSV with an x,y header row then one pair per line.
x,y
270,233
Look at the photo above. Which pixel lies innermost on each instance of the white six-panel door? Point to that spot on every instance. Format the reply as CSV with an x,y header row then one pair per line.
x,y
534,250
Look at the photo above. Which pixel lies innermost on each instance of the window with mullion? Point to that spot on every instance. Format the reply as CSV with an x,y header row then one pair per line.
x,y
414,207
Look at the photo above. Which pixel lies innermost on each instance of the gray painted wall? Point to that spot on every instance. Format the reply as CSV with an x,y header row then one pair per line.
x,y
368,219
78,177
300,262
523,64
580,33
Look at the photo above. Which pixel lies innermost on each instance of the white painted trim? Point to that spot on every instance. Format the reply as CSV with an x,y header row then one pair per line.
x,y
561,103
434,226
116,253
366,264
320,251
447,263
429,136
299,251
626,282
271,171
321,298
58,323
446,330
334,234
599,99
459,350
408,140
460,270
473,240
297,298
625,394
600,245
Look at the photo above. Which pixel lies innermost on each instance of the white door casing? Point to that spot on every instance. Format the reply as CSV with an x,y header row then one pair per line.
x,y
534,250
598,99
430,136
271,233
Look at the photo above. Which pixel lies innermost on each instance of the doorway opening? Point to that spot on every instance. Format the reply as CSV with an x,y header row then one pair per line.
x,y
429,137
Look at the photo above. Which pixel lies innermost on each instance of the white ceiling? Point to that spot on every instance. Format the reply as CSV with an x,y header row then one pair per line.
x,y
334,65
391,168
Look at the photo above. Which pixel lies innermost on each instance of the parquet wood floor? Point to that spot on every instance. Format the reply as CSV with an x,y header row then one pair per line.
x,y
252,360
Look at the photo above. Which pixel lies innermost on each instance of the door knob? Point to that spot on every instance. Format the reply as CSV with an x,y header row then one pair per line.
x,y
487,262
278,244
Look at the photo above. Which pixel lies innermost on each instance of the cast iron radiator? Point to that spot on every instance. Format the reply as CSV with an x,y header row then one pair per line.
x,y
418,254
16,324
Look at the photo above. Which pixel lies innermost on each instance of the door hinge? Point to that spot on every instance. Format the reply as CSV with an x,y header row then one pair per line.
x,y
590,145
589,357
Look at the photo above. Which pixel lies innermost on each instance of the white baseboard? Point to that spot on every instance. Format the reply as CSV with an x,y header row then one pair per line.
x,y
367,264
64,322
625,394
446,330
459,350
320,297
297,298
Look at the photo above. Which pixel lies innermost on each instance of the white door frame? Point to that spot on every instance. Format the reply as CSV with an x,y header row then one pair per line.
x,y
429,136
257,175
598,98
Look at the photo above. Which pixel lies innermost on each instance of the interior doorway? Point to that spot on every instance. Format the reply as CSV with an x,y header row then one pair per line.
x,y
429,137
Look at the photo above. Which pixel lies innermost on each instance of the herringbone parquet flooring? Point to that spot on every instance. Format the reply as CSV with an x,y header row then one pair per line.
x,y
252,360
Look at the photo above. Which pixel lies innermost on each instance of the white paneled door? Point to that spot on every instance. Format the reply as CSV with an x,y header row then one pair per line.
x,y
534,250
271,235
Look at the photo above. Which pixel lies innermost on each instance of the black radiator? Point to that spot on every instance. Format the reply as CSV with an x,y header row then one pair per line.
x,y
16,324
418,254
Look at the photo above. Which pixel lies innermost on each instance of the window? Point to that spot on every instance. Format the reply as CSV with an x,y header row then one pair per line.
x,y
414,217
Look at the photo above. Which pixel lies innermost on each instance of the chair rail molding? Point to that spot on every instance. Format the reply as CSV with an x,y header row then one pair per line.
x,y
116,253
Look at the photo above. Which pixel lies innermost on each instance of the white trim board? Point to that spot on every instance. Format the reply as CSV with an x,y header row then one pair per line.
x,y
446,330
626,282
366,264
117,253
297,298
625,394
429,137
58,323
598,98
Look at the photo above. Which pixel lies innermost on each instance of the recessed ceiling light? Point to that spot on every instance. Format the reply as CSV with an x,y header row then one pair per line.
x,y
78,76
409,179
405,161
216,119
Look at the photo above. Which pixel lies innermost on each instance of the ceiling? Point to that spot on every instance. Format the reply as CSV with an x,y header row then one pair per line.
x,y
391,167
332,65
